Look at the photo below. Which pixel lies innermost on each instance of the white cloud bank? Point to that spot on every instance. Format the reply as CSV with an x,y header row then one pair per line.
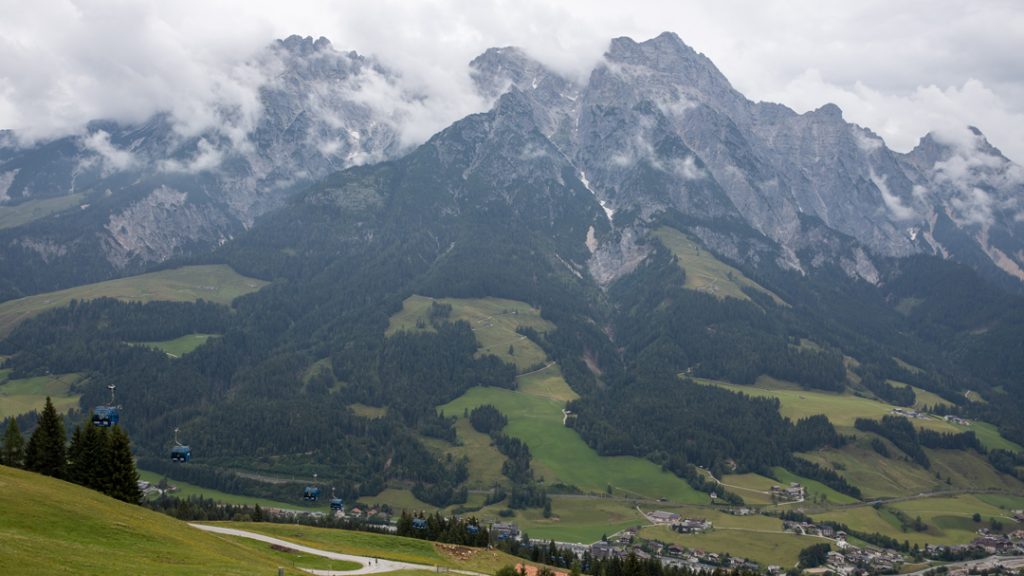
x,y
900,69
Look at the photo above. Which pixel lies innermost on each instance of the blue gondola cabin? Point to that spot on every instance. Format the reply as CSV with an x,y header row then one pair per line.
x,y
311,493
337,504
181,454
419,523
105,416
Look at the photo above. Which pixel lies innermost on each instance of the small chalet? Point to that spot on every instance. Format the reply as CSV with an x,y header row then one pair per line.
x,y
662,517
692,526
505,531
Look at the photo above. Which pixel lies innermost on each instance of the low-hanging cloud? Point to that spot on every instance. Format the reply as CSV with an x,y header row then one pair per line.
x,y
976,174
893,203
69,61
207,157
111,158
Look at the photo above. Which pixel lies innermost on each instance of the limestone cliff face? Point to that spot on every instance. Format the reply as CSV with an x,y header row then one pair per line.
x,y
150,192
159,226
657,127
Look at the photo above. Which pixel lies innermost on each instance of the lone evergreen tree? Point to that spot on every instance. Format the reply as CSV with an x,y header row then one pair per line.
x,y
124,478
13,453
46,452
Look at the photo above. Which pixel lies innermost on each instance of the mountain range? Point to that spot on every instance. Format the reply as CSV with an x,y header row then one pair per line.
x,y
655,126
612,263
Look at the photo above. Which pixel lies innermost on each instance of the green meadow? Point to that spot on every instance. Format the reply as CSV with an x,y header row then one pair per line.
x,y
214,283
534,409
768,547
185,490
178,347
27,394
494,321
875,475
559,454
704,272
948,519
842,409
816,491
753,488
20,214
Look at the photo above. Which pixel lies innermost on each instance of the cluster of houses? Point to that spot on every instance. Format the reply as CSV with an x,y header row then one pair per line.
x,y
1011,544
692,526
908,413
847,559
626,543
504,531
662,517
358,513
147,488
911,413
1002,544
808,529
699,560
792,493
678,523
854,561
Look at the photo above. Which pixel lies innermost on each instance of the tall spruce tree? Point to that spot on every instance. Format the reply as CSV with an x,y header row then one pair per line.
x,y
13,452
75,456
46,452
89,458
124,478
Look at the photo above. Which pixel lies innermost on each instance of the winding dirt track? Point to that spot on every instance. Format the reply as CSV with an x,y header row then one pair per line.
x,y
369,565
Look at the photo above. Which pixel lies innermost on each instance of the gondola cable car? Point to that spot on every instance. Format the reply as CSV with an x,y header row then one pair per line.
x,y
180,453
336,503
107,415
312,492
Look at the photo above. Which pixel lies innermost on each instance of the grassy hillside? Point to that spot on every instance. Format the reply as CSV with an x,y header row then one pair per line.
x,y
948,519
816,491
494,321
755,488
706,273
215,283
185,490
27,394
842,409
51,527
559,454
11,216
876,476
179,346
534,409
769,547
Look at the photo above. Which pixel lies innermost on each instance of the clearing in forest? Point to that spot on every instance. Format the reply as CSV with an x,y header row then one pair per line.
x,y
213,283
704,272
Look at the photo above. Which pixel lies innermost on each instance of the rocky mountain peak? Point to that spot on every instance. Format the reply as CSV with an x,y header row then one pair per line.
x,y
498,68
668,55
829,111
304,45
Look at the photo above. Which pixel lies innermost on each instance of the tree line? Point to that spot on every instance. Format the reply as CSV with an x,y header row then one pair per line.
x,y
97,458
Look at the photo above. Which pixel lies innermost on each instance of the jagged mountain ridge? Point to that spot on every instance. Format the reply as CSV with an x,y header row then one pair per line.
x,y
520,202
799,179
655,127
150,192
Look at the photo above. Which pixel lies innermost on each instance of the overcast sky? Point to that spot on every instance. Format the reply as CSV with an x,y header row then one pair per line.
x,y
901,71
